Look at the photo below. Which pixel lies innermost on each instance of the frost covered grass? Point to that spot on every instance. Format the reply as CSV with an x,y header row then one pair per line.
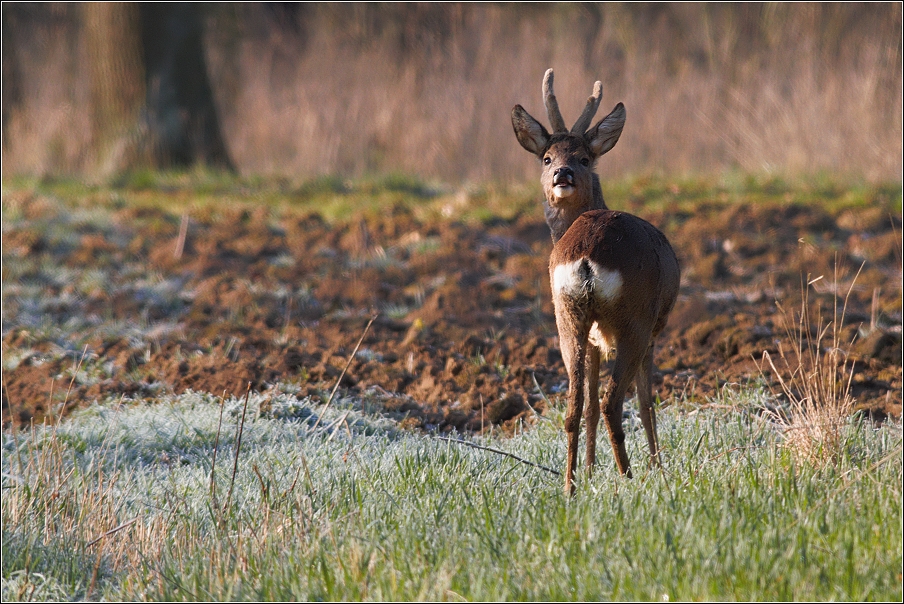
x,y
147,502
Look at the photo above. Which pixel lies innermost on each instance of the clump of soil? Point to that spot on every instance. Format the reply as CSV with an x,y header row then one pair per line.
x,y
464,333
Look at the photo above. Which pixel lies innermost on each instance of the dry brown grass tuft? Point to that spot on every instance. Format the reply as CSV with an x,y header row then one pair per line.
x,y
815,376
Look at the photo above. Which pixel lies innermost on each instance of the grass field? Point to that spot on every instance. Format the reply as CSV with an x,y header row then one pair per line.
x,y
352,508
148,490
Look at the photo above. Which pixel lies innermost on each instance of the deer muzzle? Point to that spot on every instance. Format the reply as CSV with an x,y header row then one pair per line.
x,y
563,182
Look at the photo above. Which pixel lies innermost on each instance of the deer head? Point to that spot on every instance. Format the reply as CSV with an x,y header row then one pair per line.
x,y
568,157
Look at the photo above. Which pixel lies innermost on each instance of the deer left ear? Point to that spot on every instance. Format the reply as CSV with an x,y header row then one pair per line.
x,y
531,133
604,135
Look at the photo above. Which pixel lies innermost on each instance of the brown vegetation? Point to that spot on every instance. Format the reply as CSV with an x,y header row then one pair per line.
x,y
318,89
814,373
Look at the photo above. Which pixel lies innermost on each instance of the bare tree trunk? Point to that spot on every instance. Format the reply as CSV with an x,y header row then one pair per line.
x,y
151,101
181,113
12,85
112,33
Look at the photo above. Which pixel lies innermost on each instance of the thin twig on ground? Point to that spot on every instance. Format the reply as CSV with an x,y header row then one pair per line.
x,y
342,375
238,446
71,383
216,446
14,422
125,524
183,232
499,452
543,395
336,425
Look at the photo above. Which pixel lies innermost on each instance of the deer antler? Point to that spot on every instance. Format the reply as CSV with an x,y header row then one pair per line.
x,y
552,106
593,103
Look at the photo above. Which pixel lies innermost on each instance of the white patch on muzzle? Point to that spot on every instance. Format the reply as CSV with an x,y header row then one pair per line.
x,y
563,191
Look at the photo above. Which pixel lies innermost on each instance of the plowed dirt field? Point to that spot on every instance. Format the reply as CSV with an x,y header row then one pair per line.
x,y
130,301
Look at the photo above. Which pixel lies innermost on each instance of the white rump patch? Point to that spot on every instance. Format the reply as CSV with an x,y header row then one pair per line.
x,y
607,283
573,279
566,279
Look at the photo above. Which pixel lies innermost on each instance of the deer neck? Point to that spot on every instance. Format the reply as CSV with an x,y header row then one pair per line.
x,y
560,217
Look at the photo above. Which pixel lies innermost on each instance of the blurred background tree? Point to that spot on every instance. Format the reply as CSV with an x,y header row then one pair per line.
x,y
150,99
304,90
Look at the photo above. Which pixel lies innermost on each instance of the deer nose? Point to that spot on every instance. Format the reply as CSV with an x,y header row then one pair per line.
x,y
563,174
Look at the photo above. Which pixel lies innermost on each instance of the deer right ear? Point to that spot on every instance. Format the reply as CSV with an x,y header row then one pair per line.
x,y
604,135
531,133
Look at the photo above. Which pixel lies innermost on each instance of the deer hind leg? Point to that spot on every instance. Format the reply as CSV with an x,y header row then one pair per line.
x,y
573,335
645,399
592,410
627,362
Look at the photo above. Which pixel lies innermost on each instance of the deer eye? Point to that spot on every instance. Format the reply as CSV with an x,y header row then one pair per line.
x,y
547,160
585,162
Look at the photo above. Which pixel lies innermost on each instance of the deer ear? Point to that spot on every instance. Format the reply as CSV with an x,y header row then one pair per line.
x,y
604,135
531,133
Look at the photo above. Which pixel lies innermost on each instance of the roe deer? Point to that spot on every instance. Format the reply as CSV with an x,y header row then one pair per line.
x,y
614,276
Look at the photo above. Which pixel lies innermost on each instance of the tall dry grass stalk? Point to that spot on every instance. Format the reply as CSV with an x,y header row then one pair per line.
x,y
815,375
51,504
426,89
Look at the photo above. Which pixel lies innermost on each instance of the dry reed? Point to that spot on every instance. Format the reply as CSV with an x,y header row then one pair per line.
x,y
427,89
815,376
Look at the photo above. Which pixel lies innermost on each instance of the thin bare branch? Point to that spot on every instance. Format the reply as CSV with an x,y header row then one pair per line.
x,y
216,446
238,447
125,524
498,452
342,375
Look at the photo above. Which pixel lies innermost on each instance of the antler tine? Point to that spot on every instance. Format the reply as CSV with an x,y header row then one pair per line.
x,y
593,103
552,106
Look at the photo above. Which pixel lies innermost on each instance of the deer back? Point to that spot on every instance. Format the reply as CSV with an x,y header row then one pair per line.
x,y
620,263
